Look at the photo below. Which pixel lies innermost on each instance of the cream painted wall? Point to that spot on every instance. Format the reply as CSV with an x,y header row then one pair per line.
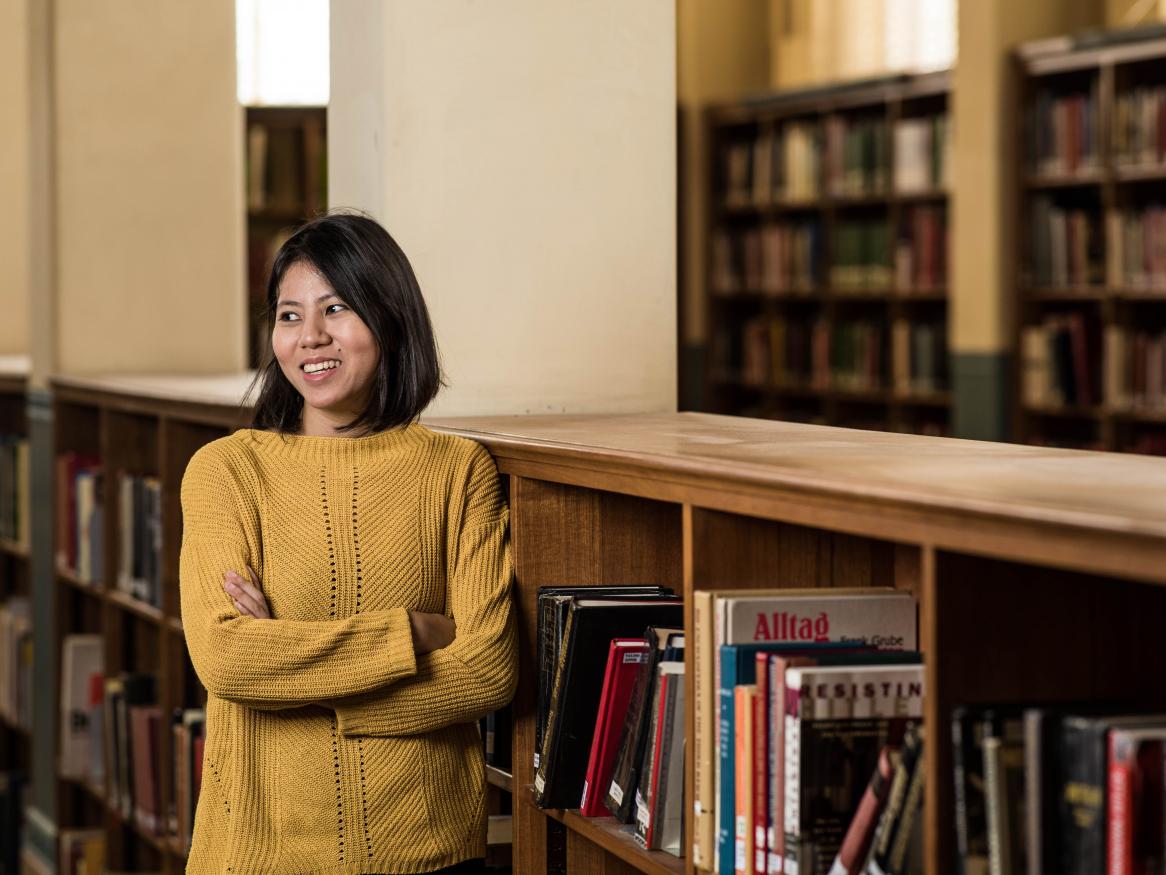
x,y
985,160
523,154
722,54
15,278
149,193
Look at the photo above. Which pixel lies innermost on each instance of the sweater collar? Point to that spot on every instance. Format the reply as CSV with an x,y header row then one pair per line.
x,y
338,449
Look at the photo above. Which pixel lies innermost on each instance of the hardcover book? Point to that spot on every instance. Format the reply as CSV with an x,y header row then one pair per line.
x,y
838,718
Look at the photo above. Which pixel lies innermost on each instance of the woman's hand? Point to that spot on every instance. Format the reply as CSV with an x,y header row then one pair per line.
x,y
430,631
248,597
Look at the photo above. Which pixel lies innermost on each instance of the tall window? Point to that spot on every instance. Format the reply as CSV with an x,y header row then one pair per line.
x,y
282,50
919,34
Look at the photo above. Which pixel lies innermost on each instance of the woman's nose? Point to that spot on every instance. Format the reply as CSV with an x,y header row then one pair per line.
x,y
314,332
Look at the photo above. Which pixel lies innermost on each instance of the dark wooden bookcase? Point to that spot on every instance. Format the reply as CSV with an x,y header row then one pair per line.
x,y
1103,189
15,573
287,181
884,403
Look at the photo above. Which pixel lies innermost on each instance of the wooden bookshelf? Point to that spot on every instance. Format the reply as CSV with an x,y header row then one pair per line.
x,y
1100,178
738,302
1021,557
15,567
287,178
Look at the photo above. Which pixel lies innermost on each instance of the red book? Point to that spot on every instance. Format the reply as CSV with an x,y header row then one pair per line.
x,y
145,740
859,835
761,763
623,661
1134,840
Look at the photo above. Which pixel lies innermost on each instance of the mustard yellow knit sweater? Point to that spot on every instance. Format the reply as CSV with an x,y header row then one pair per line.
x,y
330,747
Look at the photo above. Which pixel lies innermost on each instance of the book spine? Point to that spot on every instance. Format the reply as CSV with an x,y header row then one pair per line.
x,y
1082,797
545,773
760,763
744,697
1121,813
998,856
703,840
792,777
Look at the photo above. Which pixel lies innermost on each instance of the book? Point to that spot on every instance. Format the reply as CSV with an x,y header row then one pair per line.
x,y
1004,795
659,798
590,626
81,657
633,738
1136,806
744,840
624,658
720,617
145,746
838,718
856,844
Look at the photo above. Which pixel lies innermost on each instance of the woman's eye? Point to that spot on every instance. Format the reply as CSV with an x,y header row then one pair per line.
x,y
335,308
287,316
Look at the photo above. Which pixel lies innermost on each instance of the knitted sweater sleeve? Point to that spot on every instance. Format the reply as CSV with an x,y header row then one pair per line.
x,y
477,673
267,664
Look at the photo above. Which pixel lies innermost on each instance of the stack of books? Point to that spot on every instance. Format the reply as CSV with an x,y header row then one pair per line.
x,y
80,517
1139,134
1063,132
861,256
1135,368
857,156
1067,246
139,570
1136,248
921,154
1059,357
919,356
921,250
16,662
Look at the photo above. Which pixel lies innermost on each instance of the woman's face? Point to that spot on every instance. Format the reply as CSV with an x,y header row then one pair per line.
x,y
324,349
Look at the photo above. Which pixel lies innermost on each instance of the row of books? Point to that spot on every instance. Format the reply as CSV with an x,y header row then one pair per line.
x,y
862,255
1136,248
1059,789
857,156
1139,126
80,526
921,249
776,259
15,505
919,356
794,697
1134,369
139,572
1063,132
1056,360
16,690
111,739
1067,245
808,353
277,156
611,681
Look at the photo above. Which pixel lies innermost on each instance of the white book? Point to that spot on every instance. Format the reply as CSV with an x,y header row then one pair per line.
x,y
82,656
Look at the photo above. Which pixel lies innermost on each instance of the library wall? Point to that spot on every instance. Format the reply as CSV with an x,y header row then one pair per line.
x,y
14,177
523,154
149,191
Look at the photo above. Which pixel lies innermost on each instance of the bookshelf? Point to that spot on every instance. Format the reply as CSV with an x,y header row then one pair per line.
x,y
15,572
826,288
287,179
1090,284
1011,551
1024,560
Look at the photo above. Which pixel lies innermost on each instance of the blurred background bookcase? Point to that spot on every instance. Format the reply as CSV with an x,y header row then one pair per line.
x,y
287,183
1091,285
15,616
827,253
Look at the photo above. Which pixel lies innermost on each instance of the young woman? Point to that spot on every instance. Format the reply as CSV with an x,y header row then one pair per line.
x,y
346,587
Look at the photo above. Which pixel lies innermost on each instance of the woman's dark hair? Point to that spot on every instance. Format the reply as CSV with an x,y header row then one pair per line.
x,y
368,271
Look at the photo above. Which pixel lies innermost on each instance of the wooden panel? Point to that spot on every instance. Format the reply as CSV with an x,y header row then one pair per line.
x,y
570,536
1001,632
587,858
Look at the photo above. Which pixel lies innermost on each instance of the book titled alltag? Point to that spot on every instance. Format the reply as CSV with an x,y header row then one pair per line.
x,y
877,617
838,719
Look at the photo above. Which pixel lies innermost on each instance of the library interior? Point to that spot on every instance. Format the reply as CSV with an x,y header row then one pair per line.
x,y
819,347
